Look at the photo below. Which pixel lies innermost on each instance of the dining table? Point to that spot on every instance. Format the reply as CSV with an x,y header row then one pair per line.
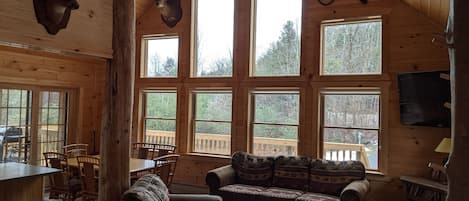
x,y
135,164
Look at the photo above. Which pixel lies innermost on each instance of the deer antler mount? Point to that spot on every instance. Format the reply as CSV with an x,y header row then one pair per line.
x,y
54,14
171,11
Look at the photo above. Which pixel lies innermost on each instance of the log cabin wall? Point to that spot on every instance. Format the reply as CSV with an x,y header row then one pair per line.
x,y
88,32
85,76
407,47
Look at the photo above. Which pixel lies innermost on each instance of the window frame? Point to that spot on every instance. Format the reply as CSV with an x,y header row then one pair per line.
x,y
193,120
345,21
144,116
252,109
381,166
144,54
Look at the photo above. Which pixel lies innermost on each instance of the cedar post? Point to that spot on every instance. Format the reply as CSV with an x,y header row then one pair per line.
x,y
458,165
119,95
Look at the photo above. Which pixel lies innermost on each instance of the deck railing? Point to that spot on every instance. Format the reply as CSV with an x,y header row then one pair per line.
x,y
217,143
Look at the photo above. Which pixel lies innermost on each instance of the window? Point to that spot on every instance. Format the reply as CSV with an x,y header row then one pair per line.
x,y
352,48
275,122
160,117
351,126
161,57
52,125
214,22
15,125
212,122
277,38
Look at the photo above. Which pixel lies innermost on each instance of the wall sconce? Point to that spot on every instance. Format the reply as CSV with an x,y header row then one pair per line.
x,y
54,14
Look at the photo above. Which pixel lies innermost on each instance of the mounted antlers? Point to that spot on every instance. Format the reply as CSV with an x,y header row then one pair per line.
x,y
54,15
171,11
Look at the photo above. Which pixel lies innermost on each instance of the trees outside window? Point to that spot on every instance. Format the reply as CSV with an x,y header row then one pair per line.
x,y
275,122
353,48
160,117
277,38
161,57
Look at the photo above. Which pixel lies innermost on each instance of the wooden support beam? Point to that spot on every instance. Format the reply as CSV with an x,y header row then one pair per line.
x,y
458,165
118,105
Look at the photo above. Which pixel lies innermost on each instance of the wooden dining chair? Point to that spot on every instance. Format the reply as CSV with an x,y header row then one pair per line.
x,y
89,175
74,150
165,167
143,150
62,185
164,149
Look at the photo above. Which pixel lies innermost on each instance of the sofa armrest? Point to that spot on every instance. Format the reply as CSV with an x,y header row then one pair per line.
x,y
355,191
194,197
220,177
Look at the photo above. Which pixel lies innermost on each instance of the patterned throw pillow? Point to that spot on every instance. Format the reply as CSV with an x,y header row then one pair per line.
x,y
252,170
148,188
292,172
331,177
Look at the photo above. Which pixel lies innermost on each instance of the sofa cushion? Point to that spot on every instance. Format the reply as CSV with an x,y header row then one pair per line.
x,y
279,194
240,192
316,197
252,170
148,188
291,172
330,177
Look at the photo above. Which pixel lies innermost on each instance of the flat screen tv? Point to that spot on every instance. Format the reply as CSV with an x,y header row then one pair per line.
x,y
422,99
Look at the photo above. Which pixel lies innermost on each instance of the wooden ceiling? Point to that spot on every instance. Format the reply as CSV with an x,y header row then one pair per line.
x,y
436,9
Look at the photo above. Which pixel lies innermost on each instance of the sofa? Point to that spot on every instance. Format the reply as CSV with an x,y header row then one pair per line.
x,y
151,188
293,178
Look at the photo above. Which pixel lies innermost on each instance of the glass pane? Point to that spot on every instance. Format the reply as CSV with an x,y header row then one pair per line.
x,y
352,111
25,98
270,140
44,99
214,38
277,108
14,98
211,106
162,57
214,138
278,35
54,116
161,105
353,48
43,117
3,117
13,117
347,144
54,99
160,131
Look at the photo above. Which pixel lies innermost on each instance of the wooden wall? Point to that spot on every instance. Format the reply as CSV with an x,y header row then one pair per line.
x,y
89,31
407,48
86,76
438,10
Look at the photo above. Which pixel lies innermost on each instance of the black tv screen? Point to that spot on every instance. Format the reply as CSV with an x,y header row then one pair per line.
x,y
422,99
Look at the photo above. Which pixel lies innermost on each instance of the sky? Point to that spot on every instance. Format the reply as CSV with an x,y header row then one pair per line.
x,y
215,27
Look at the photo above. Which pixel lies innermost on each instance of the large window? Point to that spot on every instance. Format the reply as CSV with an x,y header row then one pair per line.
x,y
351,126
214,22
277,38
352,48
160,117
275,122
212,122
52,124
160,57
15,125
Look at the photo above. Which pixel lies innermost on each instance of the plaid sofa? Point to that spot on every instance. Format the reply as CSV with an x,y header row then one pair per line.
x,y
295,178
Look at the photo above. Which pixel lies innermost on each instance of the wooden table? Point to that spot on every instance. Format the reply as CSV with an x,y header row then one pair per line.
x,y
22,182
135,165
421,189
